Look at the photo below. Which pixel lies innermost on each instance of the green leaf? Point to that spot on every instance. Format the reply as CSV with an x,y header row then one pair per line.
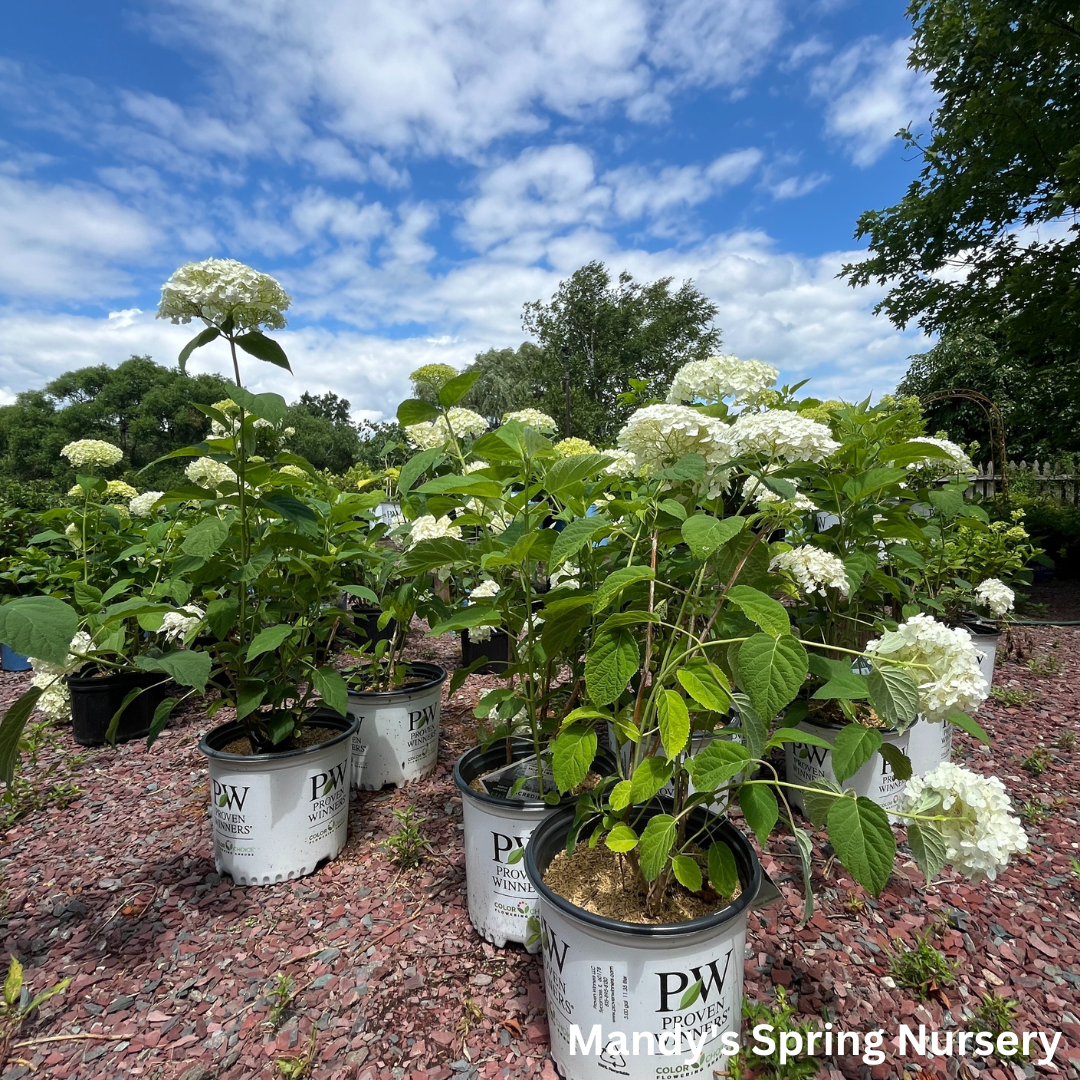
x,y
572,755
563,621
86,595
290,508
414,411
615,583
856,566
221,616
656,842
248,700
114,723
972,727
188,667
452,391
704,534
268,640
893,694
760,809
948,501
818,803
898,761
693,992
723,873
771,671
649,777
416,466
38,626
762,610
269,407
674,721
257,344
575,536
860,834
928,847
432,555
205,537
13,983
331,687
619,799
871,482
842,682
806,851
11,729
673,508
197,342
854,747
161,718
465,618
611,662
621,838
280,726
754,729
705,688
909,453
471,484
565,473
691,467
44,996
716,764
687,872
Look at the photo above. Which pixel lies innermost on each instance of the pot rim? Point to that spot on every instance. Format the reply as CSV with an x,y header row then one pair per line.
x,y
517,743
751,883
323,717
436,676
79,680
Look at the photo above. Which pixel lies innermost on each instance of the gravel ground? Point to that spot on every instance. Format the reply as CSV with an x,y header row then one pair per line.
x,y
171,965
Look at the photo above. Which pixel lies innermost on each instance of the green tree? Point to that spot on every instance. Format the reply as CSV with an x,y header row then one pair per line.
x,y
143,407
597,335
1040,410
509,379
987,235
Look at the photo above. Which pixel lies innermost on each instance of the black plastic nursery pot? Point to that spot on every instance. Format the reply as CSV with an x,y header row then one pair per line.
x,y
501,900
276,816
95,697
366,620
496,650
629,979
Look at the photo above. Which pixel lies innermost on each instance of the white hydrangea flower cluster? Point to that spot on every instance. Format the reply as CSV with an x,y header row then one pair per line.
x,y
210,474
92,452
55,700
74,536
566,576
485,590
216,288
176,625
786,435
431,434
142,506
427,528
294,471
948,678
996,595
813,569
958,461
717,377
756,490
980,832
534,418
573,447
659,435
232,413
476,466
117,489
623,463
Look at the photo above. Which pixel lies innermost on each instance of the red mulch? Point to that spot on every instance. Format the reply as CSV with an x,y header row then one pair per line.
x,y
173,964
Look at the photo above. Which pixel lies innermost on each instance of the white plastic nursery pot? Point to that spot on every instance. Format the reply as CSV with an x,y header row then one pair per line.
x,y
987,645
929,744
875,780
277,816
606,978
397,737
501,898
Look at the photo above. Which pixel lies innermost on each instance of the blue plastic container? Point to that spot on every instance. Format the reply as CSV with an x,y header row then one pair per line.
x,y
13,661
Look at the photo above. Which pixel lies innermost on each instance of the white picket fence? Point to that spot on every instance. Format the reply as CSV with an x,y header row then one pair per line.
x,y
1045,477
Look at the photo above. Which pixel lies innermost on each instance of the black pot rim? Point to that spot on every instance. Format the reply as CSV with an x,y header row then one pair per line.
x,y
436,676
233,728
129,675
751,881
525,746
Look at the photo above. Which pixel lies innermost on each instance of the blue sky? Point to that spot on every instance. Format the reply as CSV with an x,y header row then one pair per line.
x,y
415,170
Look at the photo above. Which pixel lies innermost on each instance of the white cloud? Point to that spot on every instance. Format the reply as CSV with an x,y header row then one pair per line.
x,y
795,187
871,93
442,76
63,240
